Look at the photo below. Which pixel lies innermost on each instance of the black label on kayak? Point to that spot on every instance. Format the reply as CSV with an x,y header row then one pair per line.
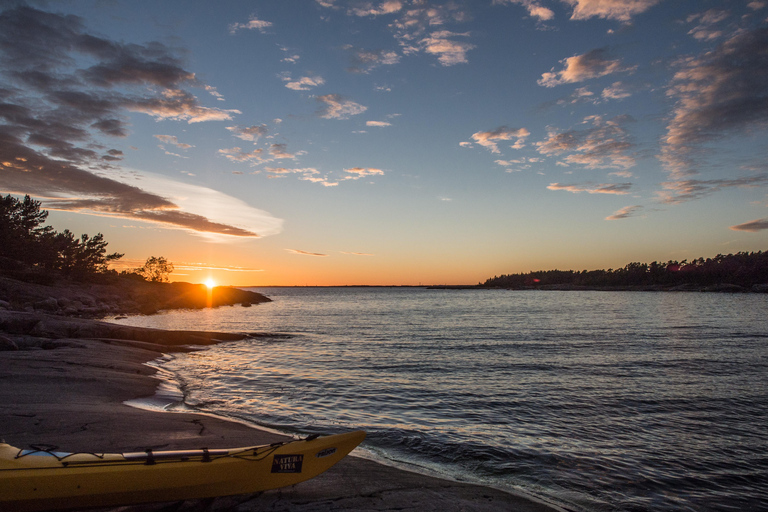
x,y
326,453
287,463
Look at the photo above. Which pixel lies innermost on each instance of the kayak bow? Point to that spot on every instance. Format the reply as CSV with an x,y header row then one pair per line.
x,y
42,479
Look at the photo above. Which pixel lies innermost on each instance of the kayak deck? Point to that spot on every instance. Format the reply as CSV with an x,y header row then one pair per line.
x,y
47,480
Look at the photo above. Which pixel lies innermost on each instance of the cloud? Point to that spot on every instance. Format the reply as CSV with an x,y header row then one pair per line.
x,y
620,10
593,64
361,172
616,91
338,107
280,151
752,226
720,93
624,213
380,124
305,253
591,188
64,89
236,154
534,8
250,133
448,52
364,61
489,139
679,191
705,31
304,83
219,213
171,139
357,253
253,23
604,145
372,9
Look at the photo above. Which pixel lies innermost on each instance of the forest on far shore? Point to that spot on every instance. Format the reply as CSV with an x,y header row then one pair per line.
x,y
745,270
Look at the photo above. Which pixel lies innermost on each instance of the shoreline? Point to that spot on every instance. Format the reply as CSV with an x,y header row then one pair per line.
x,y
68,386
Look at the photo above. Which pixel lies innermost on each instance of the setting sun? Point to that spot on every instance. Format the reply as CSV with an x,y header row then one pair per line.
x,y
210,283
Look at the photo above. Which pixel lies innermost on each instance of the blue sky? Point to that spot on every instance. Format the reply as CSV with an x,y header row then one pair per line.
x,y
391,142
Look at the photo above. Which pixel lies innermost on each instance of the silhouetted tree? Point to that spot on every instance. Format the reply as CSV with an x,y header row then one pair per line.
x,y
156,270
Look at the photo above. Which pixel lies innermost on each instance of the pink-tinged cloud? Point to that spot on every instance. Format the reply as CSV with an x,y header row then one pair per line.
x,y
620,10
490,139
250,133
592,188
533,7
253,24
605,145
363,9
448,51
360,172
625,213
339,107
236,154
304,83
752,226
593,64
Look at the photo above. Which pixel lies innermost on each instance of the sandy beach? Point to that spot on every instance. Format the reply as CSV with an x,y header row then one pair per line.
x,y
68,390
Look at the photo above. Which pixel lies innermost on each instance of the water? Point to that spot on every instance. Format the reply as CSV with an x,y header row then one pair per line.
x,y
600,401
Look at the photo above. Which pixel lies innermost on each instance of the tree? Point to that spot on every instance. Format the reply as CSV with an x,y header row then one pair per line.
x,y
21,228
23,237
156,270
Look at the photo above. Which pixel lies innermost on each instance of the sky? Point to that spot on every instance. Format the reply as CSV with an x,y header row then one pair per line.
x,y
396,142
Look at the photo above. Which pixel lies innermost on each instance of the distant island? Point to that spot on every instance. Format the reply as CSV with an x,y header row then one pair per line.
x,y
740,272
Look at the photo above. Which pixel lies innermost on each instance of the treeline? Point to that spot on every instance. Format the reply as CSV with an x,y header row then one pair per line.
x,y
741,269
25,238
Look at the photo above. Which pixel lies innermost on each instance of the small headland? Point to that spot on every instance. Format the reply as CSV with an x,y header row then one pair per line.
x,y
44,310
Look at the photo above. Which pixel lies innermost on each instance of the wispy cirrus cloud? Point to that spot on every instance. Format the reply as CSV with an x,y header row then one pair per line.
x,y
592,188
752,226
172,139
490,139
378,124
306,253
605,145
625,213
718,94
338,107
64,90
593,64
679,191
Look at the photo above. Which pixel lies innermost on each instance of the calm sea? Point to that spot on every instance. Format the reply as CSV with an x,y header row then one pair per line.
x,y
600,401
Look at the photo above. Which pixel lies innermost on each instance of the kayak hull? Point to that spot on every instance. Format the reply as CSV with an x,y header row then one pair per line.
x,y
32,482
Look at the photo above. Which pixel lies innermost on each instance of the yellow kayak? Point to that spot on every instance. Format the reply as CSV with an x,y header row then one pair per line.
x,y
42,479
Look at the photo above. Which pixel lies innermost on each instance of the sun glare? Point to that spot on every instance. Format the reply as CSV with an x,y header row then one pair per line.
x,y
210,283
